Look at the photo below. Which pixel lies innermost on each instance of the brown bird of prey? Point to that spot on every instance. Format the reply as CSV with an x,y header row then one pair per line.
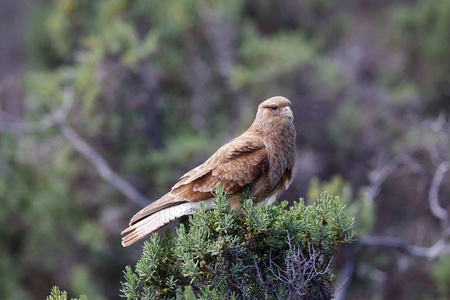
x,y
261,159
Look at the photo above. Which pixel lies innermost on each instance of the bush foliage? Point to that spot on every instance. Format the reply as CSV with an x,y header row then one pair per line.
x,y
258,252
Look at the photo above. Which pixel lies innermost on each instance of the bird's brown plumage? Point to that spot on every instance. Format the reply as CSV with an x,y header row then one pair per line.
x,y
262,158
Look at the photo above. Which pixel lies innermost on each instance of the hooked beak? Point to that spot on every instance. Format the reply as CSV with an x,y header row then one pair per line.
x,y
287,112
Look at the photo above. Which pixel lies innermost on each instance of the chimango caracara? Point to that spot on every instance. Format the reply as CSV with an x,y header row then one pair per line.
x,y
262,158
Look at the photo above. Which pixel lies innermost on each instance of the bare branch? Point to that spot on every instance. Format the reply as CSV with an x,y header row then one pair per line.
x,y
380,174
13,124
300,270
440,248
102,166
433,194
57,120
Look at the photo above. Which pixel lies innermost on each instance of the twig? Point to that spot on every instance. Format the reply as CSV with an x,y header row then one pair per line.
x,y
433,194
17,125
101,165
300,270
58,120
380,174
441,247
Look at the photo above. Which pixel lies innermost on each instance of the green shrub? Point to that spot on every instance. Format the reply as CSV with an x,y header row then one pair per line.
x,y
56,294
258,252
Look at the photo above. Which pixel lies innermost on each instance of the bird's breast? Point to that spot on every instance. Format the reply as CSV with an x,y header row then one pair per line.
x,y
281,155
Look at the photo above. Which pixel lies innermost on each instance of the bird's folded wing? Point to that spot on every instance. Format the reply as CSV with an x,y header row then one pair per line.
x,y
235,165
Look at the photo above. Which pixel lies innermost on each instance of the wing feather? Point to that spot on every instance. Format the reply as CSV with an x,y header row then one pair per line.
x,y
164,202
235,165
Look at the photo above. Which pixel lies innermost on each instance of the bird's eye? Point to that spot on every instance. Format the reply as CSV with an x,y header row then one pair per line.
x,y
274,107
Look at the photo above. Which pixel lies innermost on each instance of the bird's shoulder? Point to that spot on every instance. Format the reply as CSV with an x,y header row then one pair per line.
x,y
243,145
240,160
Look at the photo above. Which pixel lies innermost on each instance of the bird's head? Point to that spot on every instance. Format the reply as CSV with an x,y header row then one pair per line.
x,y
275,110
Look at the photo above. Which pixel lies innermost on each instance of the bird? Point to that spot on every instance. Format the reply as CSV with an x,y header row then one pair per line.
x,y
261,160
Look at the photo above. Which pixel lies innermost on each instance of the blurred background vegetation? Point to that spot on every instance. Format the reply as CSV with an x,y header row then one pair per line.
x,y
160,85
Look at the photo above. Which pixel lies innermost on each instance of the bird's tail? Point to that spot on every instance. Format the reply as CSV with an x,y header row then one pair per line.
x,y
149,224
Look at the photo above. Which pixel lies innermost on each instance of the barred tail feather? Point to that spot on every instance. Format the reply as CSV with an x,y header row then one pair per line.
x,y
153,222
